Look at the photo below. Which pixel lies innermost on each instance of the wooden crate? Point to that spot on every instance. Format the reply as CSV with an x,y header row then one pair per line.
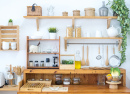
x,y
9,34
68,66
33,87
37,12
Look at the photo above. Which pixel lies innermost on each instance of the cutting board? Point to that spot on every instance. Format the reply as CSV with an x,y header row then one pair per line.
x,y
61,89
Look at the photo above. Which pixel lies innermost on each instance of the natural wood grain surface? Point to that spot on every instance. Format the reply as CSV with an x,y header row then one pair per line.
x,y
93,38
89,89
9,88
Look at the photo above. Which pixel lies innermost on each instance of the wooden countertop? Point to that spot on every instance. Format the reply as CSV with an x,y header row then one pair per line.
x,y
89,89
9,88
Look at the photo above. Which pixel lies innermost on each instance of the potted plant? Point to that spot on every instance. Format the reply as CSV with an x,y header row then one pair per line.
x,y
10,23
52,32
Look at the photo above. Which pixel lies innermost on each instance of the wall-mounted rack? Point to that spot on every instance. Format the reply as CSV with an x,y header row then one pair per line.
x,y
109,18
119,41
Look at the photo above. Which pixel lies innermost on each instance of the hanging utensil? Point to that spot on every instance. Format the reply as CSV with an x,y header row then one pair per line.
x,y
87,60
99,56
114,60
83,61
107,61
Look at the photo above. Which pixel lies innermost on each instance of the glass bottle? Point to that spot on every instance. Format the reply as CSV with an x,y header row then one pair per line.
x,y
103,11
77,60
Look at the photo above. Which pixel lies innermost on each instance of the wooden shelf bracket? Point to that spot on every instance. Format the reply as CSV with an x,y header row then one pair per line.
x,y
37,22
65,44
119,46
73,22
108,22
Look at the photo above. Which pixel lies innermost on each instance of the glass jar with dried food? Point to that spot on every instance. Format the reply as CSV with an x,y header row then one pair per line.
x,y
31,63
69,31
76,81
36,64
42,64
66,81
78,31
58,79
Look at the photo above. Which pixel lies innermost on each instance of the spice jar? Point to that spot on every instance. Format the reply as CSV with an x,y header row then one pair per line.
x,y
31,63
65,13
58,79
69,31
36,64
89,11
42,64
78,31
76,81
76,12
66,81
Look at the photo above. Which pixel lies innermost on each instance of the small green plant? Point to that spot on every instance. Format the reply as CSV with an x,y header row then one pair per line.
x,y
52,30
10,20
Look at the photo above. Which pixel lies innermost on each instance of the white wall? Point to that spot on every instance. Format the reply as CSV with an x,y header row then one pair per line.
x,y
16,9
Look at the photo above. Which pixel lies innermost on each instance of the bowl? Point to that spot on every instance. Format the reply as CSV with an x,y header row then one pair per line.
x,y
114,78
36,37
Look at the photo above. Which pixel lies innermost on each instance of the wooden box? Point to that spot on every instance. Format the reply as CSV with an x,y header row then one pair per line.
x,y
37,12
9,34
68,66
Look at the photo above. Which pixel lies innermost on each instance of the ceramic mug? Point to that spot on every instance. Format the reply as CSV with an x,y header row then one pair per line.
x,y
13,45
98,33
10,76
5,45
88,34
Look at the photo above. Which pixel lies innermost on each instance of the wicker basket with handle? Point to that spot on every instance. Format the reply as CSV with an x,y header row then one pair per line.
x,y
34,10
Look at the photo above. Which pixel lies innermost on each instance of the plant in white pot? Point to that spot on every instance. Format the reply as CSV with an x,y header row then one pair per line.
x,y
52,32
10,23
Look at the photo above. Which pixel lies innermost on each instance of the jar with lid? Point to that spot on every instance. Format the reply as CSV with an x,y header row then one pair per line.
x,y
66,81
78,31
77,60
42,64
69,31
76,81
58,80
36,64
31,63
48,62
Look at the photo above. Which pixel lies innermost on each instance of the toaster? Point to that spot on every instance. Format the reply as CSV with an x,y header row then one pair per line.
x,y
2,80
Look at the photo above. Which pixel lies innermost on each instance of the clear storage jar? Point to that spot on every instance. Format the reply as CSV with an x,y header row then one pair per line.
x,y
78,31
76,81
69,31
66,81
58,79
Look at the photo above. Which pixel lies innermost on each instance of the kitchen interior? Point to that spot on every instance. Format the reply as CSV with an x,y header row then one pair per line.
x,y
51,48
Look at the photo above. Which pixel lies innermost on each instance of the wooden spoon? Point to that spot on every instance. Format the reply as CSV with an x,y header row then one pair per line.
x,y
87,60
107,61
83,61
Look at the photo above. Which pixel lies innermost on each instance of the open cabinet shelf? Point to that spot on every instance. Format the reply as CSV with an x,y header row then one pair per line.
x,y
9,34
109,18
28,53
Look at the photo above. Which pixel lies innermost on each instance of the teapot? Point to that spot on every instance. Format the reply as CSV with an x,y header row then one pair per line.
x,y
113,32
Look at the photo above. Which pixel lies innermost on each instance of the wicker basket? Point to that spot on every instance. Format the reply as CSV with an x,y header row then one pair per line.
x,y
89,11
37,12
76,12
64,13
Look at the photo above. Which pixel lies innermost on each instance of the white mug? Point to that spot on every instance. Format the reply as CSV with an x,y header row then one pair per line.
x,y
98,33
13,45
88,34
5,45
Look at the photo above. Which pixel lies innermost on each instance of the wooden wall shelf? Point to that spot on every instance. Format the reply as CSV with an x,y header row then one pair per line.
x,y
27,53
9,34
101,38
109,18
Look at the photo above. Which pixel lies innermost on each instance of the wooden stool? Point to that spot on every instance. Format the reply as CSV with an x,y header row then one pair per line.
x,y
113,85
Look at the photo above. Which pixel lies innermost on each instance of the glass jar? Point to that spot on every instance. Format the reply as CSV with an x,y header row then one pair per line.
x,y
42,64
66,81
78,31
76,81
31,63
77,60
47,62
69,31
58,80
101,79
36,64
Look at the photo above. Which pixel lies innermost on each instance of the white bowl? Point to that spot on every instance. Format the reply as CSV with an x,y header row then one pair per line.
x,y
36,37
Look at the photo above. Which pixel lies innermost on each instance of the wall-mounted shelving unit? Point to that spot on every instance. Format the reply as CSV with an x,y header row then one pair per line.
x,y
94,38
9,34
109,18
28,53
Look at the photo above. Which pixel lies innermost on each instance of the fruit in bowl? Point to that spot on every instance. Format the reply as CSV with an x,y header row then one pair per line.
x,y
109,77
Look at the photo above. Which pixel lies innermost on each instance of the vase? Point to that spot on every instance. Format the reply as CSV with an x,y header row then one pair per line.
x,y
52,35
103,11
10,23
19,78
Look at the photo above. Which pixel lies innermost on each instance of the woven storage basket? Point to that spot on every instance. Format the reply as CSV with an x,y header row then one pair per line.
x,y
64,13
37,12
89,11
76,12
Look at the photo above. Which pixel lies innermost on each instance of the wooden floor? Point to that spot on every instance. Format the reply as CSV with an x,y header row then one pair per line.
x,y
88,89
